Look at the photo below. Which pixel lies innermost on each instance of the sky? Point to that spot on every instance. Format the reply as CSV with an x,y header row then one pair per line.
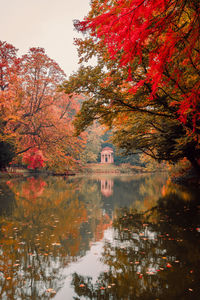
x,y
44,23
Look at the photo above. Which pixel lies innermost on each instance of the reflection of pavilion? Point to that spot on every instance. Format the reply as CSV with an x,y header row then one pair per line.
x,y
107,187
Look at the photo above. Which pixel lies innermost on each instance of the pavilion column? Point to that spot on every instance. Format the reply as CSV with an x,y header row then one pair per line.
x,y
107,156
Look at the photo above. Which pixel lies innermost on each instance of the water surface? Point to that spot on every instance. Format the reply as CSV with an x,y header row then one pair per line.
x,y
99,238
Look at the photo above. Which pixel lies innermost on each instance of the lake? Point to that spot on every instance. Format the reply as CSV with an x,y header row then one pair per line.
x,y
102,237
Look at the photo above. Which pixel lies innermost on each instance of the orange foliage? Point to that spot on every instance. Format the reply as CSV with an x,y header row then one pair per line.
x,y
35,113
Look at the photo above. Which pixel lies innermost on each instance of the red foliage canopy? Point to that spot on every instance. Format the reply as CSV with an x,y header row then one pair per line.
x,y
164,31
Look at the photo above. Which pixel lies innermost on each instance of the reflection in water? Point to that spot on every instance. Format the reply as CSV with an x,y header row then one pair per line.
x,y
152,255
107,187
49,226
39,239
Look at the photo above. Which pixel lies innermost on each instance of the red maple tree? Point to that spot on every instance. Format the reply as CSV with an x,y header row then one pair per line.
x,y
164,33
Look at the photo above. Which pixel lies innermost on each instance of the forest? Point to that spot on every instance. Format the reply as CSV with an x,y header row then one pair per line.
x,y
143,88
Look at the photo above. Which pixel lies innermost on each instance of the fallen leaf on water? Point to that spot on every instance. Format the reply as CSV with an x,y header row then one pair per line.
x,y
150,273
51,291
56,244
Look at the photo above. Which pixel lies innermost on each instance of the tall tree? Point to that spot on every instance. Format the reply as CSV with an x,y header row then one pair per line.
x,y
146,83
38,116
165,33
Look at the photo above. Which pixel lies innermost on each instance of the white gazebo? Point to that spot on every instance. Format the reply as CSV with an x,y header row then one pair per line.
x,y
107,156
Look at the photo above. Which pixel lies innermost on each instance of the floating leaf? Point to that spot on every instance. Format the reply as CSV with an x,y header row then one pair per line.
x,y
51,291
169,265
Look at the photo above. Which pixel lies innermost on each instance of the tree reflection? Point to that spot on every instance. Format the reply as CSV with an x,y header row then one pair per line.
x,y
50,226
49,223
154,254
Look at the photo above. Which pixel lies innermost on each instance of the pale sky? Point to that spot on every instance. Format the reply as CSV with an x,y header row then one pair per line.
x,y
43,23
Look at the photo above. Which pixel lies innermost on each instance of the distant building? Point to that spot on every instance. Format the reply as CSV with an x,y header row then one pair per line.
x,y
107,155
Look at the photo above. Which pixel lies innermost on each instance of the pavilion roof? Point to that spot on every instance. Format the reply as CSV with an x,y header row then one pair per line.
x,y
107,149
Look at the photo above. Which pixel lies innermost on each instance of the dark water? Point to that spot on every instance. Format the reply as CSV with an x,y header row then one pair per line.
x,y
103,238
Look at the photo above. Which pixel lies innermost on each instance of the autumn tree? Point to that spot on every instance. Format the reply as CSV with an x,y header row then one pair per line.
x,y
9,70
146,82
166,33
46,112
38,116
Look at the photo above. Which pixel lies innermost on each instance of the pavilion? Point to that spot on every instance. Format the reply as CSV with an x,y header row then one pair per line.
x,y
107,155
